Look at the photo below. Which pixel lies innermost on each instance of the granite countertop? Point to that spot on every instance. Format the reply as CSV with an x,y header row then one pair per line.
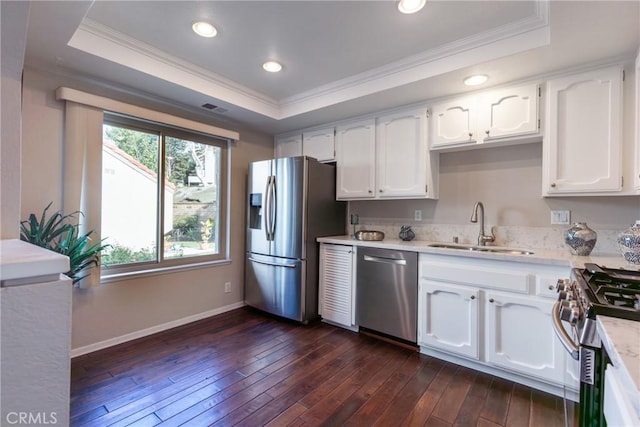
x,y
540,256
621,339
21,260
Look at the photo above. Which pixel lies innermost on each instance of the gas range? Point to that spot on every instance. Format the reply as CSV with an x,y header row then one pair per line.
x,y
596,290
591,292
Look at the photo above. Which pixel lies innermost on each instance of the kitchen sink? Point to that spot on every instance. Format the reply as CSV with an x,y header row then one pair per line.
x,y
474,248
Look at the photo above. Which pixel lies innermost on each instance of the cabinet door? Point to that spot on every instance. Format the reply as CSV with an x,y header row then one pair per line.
x,y
448,318
636,175
519,336
289,146
336,278
355,160
509,112
454,122
583,141
402,154
319,144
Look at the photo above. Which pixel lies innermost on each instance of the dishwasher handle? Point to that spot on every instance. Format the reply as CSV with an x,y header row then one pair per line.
x,y
385,260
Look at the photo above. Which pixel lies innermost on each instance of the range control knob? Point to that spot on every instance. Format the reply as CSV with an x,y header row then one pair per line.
x,y
569,312
563,285
564,296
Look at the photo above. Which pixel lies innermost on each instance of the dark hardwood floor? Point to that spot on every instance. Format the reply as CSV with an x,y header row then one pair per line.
x,y
242,368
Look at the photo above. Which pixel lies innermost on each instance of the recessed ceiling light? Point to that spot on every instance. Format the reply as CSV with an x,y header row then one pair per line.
x,y
475,80
204,29
272,66
410,6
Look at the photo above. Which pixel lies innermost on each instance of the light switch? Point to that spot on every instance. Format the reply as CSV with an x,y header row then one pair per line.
x,y
417,215
560,217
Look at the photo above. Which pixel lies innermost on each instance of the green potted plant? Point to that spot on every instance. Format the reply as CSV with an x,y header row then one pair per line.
x,y
60,233
205,232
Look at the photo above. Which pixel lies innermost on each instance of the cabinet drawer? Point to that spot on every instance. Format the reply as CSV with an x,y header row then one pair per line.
x,y
493,276
546,286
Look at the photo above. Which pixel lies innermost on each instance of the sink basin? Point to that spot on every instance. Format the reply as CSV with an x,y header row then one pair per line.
x,y
492,249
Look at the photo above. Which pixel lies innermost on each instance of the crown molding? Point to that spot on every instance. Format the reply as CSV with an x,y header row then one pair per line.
x,y
107,43
515,37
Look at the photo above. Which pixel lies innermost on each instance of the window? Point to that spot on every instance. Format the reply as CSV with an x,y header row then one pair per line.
x,y
164,196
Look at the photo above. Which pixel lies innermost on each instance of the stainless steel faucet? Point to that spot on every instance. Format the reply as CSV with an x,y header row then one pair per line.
x,y
482,238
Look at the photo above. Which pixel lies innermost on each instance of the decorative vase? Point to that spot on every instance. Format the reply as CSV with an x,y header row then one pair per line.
x,y
580,239
406,233
629,243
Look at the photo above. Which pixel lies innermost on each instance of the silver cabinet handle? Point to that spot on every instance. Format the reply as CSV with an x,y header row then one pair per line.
x,y
385,260
472,297
553,185
470,134
491,300
487,132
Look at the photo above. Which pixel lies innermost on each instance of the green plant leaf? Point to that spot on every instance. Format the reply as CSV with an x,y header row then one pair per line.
x,y
60,233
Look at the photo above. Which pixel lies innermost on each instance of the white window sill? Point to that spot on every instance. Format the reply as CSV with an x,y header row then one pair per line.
x,y
118,277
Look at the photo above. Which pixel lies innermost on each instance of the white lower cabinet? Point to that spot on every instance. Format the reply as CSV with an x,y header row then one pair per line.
x,y
519,336
493,315
448,317
336,290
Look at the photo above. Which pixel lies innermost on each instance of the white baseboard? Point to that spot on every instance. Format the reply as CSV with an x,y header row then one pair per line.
x,y
152,330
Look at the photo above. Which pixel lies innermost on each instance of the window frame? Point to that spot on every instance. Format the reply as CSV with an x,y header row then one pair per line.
x,y
162,264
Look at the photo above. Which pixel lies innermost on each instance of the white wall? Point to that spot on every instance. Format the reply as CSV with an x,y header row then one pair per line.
x,y
137,230
13,39
111,311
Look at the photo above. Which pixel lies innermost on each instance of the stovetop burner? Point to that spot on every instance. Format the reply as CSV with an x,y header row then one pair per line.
x,y
611,292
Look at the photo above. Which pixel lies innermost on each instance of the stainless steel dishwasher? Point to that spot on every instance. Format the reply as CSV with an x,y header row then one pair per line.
x,y
387,292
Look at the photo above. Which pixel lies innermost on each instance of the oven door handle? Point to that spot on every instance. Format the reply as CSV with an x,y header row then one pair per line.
x,y
562,334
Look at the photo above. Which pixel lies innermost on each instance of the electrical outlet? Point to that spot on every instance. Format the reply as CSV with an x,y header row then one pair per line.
x,y
560,217
227,287
417,215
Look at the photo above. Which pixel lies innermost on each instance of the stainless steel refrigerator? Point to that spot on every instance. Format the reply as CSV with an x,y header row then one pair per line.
x,y
291,201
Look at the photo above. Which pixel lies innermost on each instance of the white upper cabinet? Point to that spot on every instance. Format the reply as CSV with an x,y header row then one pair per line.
x,y
319,144
509,112
355,158
404,166
288,146
494,116
454,122
583,144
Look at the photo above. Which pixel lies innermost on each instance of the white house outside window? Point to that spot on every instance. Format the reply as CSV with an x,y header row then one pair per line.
x,y
163,196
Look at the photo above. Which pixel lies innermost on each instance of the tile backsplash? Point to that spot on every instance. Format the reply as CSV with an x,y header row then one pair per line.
x,y
511,236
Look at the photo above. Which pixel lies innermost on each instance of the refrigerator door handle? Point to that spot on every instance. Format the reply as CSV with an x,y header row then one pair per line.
x,y
273,207
272,264
268,219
